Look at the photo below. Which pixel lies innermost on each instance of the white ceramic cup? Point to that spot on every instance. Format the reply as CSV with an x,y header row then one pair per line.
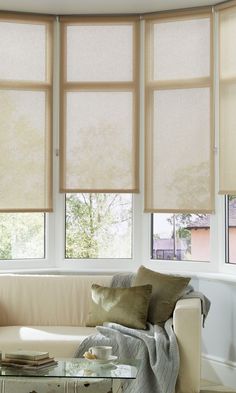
x,y
101,352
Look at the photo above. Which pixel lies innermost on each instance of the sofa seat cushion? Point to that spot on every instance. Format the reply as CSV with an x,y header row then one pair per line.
x,y
59,341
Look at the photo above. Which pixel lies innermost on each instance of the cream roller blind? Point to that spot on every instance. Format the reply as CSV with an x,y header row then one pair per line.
x,y
227,70
25,115
179,137
99,104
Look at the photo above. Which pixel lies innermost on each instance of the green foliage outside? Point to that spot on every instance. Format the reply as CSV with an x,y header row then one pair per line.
x,y
98,226
22,157
231,197
22,235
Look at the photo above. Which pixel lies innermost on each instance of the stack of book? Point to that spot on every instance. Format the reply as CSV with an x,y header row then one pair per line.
x,y
28,360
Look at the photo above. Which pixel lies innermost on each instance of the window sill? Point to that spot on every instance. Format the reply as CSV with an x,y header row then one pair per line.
x,y
198,270
220,276
225,277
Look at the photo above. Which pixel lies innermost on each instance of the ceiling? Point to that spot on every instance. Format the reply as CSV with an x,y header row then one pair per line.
x,y
58,7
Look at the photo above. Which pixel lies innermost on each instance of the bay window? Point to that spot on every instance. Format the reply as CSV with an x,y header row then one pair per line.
x,y
133,142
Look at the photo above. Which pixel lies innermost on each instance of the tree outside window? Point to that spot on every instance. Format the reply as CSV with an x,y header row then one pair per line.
x,y
98,226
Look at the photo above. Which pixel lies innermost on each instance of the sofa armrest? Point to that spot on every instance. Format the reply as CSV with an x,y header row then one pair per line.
x,y
187,326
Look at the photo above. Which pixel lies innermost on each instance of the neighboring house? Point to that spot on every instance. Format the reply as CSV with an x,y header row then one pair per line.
x,y
200,236
198,246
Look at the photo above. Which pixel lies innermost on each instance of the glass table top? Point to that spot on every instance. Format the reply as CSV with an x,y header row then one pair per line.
x,y
79,368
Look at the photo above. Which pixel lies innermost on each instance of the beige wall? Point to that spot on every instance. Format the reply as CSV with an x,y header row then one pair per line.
x,y
200,244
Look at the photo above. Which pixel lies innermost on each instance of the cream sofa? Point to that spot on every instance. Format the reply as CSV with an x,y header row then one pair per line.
x,y
49,312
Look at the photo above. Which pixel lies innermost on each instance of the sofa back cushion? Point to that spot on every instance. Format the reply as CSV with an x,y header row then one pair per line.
x,y
51,300
166,290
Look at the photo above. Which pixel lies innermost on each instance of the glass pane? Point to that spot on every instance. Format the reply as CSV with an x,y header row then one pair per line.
x,y
98,226
181,237
232,229
100,53
22,235
99,144
227,43
182,49
227,137
22,141
22,51
180,180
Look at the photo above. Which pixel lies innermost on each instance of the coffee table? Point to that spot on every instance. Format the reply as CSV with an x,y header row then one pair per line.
x,y
79,372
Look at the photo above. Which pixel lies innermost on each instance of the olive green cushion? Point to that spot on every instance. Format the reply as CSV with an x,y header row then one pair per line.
x,y
166,290
126,306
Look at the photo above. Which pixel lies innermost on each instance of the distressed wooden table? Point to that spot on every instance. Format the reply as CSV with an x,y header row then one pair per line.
x,y
70,376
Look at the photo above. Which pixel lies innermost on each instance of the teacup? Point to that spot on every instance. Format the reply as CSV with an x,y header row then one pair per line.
x,y
101,352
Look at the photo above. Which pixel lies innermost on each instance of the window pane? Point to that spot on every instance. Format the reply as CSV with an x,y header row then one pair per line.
x,y
100,53
99,141
24,160
227,137
98,226
231,229
181,237
22,51
22,235
227,98
180,151
182,49
227,43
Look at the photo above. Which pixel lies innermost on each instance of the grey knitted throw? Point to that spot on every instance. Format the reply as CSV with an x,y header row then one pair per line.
x,y
156,347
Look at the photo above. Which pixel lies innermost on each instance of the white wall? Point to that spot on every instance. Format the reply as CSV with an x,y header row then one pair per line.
x,y
219,334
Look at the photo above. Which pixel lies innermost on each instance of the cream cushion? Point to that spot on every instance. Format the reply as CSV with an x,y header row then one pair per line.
x,y
59,341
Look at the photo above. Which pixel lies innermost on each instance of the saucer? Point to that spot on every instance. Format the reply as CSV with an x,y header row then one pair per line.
x,y
111,359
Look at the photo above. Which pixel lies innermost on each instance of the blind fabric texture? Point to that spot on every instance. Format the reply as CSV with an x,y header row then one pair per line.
x,y
25,116
227,98
99,108
99,112
179,135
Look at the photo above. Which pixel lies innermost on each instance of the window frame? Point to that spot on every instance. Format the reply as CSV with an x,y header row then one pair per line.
x,y
55,221
226,229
